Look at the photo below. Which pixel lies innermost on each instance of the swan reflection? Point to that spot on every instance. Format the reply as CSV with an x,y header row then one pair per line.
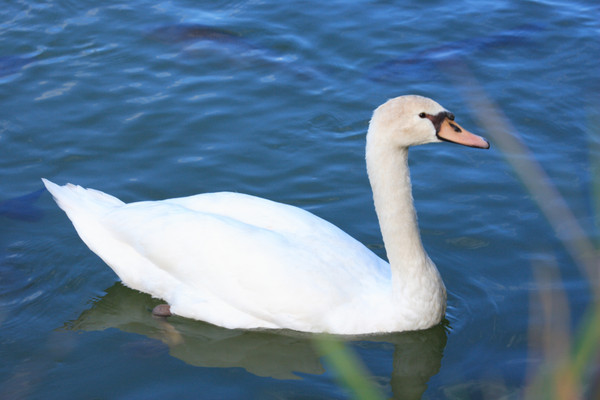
x,y
277,354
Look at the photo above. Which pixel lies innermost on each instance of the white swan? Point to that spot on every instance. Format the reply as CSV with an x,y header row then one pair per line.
x,y
240,261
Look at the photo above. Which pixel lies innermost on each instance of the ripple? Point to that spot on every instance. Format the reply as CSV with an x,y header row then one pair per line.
x,y
56,92
280,108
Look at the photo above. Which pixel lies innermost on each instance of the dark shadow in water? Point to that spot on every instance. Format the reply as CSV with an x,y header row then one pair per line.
x,y
23,207
182,33
425,63
200,41
13,63
277,354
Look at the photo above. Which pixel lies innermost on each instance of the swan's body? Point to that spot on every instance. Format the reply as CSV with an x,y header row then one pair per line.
x,y
240,261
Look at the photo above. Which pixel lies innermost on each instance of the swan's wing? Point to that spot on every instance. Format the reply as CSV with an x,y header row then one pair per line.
x,y
252,210
260,264
282,276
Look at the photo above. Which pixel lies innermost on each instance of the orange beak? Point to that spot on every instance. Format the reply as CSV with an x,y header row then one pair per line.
x,y
450,131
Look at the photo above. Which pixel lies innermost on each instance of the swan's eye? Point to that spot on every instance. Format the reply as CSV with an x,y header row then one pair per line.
x,y
450,116
422,115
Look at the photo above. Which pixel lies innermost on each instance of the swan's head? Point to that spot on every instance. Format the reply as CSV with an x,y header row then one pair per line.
x,y
412,120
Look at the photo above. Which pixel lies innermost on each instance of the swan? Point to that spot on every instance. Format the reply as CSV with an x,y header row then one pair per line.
x,y
243,262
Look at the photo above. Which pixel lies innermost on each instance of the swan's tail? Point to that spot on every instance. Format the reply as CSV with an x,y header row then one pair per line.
x,y
74,199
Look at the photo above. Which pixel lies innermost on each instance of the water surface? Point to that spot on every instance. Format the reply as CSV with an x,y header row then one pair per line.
x,y
149,100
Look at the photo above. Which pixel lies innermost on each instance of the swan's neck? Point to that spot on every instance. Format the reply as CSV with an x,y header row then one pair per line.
x,y
387,167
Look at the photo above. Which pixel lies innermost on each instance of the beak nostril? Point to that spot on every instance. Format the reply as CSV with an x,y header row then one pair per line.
x,y
456,128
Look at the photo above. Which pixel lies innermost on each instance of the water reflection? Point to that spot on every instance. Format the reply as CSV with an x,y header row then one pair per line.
x,y
23,207
190,33
201,41
277,354
423,63
14,63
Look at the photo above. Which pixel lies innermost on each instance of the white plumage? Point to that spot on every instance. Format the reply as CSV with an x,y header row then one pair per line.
x,y
240,261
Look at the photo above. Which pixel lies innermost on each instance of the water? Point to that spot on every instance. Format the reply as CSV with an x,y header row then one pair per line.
x,y
149,100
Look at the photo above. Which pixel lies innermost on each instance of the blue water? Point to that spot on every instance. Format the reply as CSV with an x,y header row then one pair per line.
x,y
148,100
